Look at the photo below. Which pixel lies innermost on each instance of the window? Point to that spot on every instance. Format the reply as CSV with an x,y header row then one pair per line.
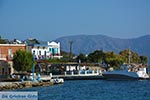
x,y
45,53
9,69
50,49
9,51
53,51
33,52
39,52
2,71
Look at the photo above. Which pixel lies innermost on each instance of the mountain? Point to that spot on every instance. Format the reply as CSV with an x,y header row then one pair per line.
x,y
89,43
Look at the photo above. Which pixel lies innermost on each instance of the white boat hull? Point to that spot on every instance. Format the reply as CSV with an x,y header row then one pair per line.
x,y
120,75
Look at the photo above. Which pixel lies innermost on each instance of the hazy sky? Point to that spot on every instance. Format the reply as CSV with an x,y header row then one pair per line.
x,y
51,19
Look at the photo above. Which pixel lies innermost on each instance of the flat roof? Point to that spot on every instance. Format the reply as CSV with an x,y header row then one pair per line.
x,y
12,44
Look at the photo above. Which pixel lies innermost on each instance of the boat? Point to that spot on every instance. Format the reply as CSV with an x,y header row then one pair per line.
x,y
127,72
58,80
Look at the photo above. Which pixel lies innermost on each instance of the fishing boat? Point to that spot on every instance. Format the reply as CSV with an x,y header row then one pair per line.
x,y
127,72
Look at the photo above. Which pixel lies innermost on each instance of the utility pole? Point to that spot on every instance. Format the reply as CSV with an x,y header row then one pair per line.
x,y
70,43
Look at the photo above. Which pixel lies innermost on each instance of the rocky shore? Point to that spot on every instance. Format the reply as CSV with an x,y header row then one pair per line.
x,y
25,84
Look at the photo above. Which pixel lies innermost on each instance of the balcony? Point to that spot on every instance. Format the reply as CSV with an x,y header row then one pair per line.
x,y
3,57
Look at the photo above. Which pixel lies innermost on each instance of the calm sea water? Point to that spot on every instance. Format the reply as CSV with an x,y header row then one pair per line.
x,y
95,90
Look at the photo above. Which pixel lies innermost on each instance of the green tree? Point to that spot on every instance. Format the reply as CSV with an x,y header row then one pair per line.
x,y
82,57
143,59
113,59
35,41
23,61
2,41
96,56
134,57
32,41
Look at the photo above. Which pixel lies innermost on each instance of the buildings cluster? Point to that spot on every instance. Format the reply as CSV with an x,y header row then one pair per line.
x,y
39,51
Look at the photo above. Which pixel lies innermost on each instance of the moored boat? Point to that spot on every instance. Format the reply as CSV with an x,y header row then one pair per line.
x,y
58,80
127,72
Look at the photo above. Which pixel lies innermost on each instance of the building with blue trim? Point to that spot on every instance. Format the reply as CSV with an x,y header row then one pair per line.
x,y
46,51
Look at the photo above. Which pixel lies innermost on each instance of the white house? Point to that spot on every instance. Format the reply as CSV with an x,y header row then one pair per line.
x,y
51,50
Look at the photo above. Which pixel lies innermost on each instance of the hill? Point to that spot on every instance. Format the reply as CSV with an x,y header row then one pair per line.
x,y
89,43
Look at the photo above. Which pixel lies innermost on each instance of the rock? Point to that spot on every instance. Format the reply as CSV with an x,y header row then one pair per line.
x,y
25,84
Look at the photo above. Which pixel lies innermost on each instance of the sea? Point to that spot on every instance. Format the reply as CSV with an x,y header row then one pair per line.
x,y
95,90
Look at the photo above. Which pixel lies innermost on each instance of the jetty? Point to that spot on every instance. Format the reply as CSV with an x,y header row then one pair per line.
x,y
79,77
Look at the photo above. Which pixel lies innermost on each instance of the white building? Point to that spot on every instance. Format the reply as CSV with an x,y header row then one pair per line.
x,y
51,50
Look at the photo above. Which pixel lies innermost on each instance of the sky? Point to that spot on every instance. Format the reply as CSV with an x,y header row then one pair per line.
x,y
51,19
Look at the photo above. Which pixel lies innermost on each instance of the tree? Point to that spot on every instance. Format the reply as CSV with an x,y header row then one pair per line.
x,y
96,56
125,54
82,57
2,41
113,59
143,59
23,61
33,41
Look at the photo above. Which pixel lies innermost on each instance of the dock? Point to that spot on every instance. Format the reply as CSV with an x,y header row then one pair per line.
x,y
77,77
85,77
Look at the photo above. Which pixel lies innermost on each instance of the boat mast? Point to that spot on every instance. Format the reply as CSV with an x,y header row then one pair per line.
x,y
129,57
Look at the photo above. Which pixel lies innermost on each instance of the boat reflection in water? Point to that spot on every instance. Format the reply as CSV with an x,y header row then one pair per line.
x,y
127,72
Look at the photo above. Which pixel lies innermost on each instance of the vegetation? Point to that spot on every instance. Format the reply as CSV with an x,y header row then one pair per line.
x,y
143,59
96,56
112,59
2,41
125,54
34,41
23,61
82,57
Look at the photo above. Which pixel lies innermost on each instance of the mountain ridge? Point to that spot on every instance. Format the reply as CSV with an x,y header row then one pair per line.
x,y
89,43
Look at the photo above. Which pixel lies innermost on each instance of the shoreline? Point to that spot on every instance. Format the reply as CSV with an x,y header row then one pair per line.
x,y
26,84
46,81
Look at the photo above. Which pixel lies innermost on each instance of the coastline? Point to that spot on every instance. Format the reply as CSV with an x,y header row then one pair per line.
x,y
45,81
26,84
